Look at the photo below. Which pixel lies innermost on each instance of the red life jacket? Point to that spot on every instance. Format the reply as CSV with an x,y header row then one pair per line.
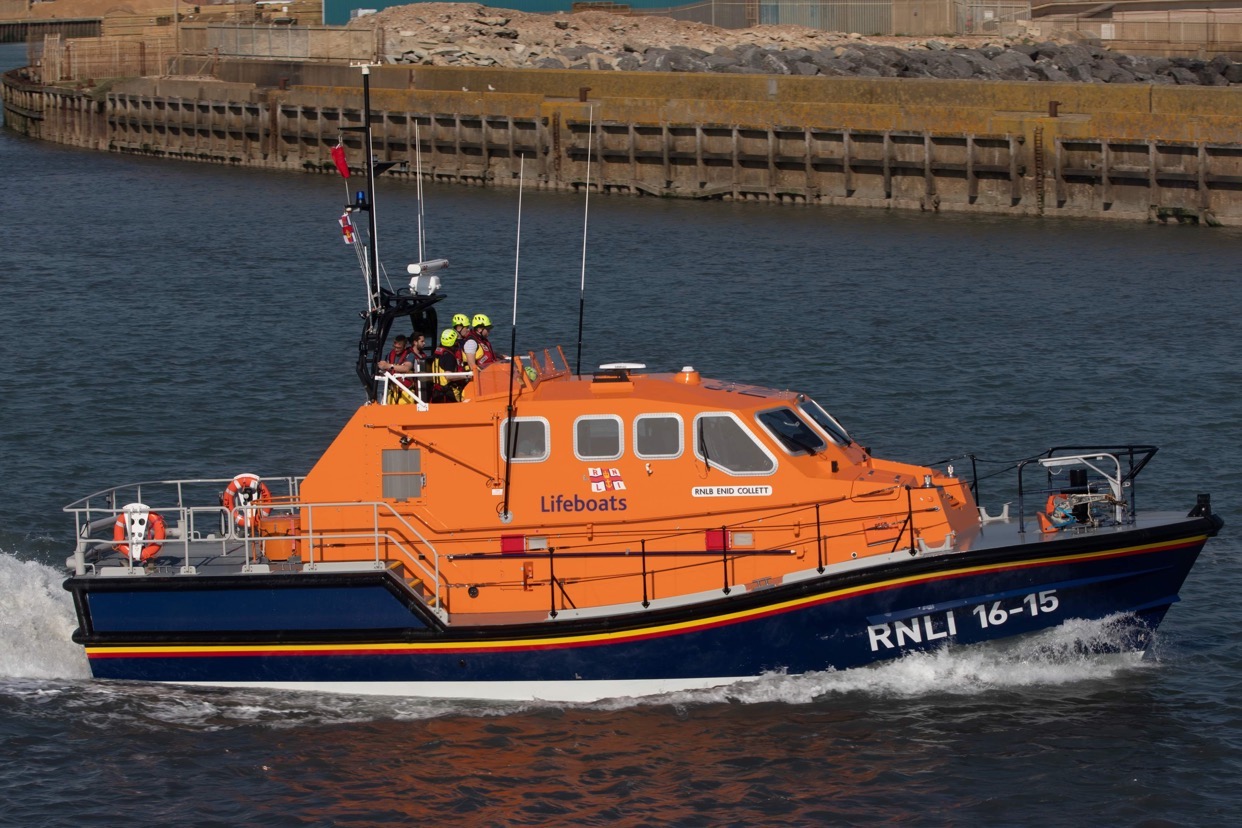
x,y
486,354
443,388
444,361
396,357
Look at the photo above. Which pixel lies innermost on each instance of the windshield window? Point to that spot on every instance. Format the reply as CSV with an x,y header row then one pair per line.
x,y
722,442
826,421
789,429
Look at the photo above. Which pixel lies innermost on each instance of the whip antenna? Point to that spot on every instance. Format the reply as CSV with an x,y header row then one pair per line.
x,y
586,201
511,437
418,175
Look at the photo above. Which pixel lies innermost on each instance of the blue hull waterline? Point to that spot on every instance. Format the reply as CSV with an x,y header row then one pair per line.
x,y
292,630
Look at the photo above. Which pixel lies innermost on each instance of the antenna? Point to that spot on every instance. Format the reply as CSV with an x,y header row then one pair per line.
x,y
586,201
418,175
511,437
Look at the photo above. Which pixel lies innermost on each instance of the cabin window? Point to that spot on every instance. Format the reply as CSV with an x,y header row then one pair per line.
x,y
402,474
835,431
794,435
530,439
657,436
722,442
597,437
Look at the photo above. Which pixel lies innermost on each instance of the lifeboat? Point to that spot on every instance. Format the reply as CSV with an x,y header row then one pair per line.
x,y
629,530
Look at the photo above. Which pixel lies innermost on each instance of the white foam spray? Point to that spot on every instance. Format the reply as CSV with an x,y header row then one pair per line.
x,y
1073,652
36,622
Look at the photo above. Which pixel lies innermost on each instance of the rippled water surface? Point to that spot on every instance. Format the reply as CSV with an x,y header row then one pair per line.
x,y
161,319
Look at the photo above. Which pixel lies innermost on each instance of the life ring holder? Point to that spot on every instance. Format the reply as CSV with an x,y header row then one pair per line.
x,y
138,524
246,490
1057,514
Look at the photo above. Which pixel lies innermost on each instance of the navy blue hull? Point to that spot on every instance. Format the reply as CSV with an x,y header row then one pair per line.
x,y
841,621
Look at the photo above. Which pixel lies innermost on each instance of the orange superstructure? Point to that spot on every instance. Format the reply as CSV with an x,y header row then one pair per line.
x,y
616,479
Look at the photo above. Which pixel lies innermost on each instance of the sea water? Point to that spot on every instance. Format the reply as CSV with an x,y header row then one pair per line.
x,y
161,319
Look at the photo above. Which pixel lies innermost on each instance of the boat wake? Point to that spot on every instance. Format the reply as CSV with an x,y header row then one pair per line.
x,y
1077,651
37,623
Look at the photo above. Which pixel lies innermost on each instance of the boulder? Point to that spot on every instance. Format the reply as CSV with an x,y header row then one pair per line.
x,y
1013,65
1183,76
1046,70
1109,72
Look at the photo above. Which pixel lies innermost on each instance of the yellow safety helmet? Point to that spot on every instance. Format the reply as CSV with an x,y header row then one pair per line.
x,y
461,319
481,321
448,338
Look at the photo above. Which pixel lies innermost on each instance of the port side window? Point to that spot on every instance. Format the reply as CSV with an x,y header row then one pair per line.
x,y
402,474
721,441
597,437
794,435
657,436
530,439
835,431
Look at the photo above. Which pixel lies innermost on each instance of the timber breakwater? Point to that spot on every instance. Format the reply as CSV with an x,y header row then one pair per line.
x,y
1135,148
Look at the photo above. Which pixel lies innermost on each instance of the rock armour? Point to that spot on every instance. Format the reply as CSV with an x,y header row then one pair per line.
x,y
465,34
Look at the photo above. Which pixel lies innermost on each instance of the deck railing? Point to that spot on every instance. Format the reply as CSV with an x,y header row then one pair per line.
x,y
196,524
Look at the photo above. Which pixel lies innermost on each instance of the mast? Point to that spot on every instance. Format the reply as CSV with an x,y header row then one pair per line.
x,y
585,212
368,151
384,305
505,515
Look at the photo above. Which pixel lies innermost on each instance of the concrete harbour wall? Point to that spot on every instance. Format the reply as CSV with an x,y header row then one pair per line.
x,y
1132,152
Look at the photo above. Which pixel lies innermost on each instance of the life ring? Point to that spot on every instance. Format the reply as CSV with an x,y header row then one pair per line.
x,y
136,525
246,490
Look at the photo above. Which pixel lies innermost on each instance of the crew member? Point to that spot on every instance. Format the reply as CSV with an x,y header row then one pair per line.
x,y
400,361
443,362
478,349
422,361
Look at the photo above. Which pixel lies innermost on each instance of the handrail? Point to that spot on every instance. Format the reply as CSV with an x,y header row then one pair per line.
x,y
388,380
1081,463
395,536
92,519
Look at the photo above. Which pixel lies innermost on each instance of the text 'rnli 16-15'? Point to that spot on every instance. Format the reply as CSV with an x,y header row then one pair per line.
x,y
923,629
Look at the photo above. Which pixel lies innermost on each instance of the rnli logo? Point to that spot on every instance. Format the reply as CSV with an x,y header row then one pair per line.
x,y
605,480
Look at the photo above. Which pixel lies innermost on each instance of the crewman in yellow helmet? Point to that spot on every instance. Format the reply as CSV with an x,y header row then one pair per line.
x,y
478,350
444,362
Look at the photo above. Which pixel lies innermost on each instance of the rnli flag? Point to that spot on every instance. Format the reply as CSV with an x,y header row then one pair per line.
x,y
338,158
603,480
347,228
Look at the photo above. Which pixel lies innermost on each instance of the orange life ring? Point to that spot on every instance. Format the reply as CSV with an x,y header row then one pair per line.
x,y
153,531
246,490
